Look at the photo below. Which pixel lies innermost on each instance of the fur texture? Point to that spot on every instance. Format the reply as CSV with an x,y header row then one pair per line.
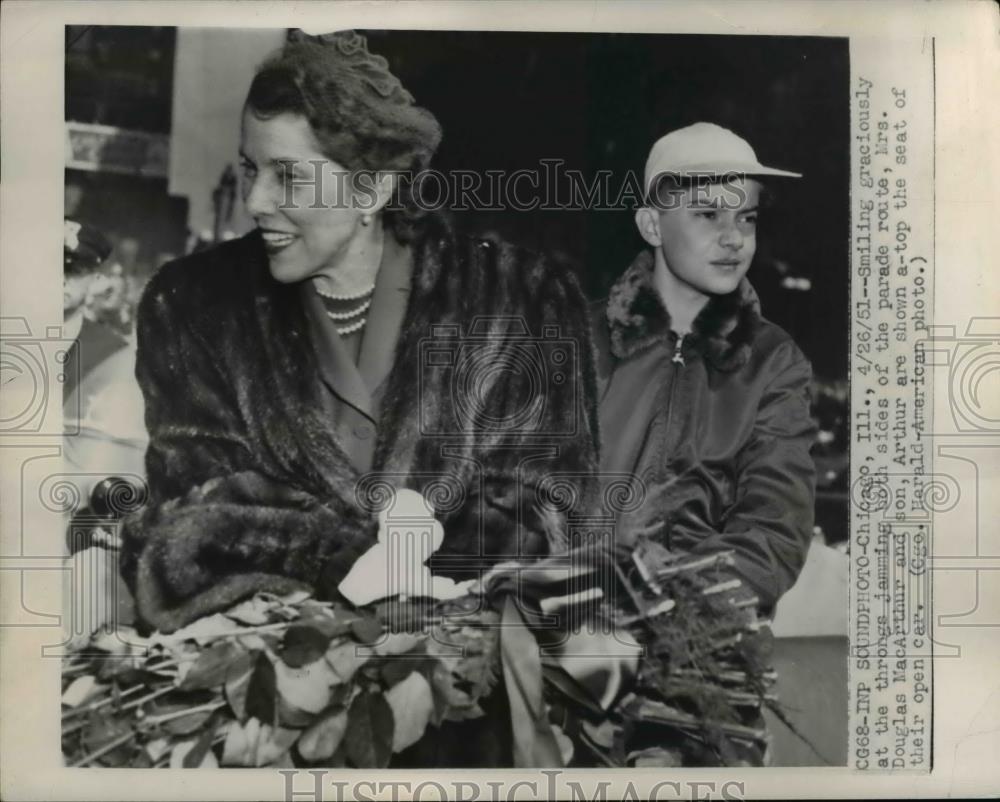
x,y
723,331
249,488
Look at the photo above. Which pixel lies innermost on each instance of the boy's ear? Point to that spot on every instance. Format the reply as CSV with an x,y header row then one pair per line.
x,y
648,222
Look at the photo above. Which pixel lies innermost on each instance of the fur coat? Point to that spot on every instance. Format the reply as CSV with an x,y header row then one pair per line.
x,y
249,488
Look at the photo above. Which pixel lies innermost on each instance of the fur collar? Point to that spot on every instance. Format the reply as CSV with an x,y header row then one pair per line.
x,y
722,332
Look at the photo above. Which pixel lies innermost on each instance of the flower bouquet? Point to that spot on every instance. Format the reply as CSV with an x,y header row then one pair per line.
x,y
669,667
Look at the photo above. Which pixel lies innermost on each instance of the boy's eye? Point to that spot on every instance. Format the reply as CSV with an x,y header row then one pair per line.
x,y
750,218
707,214
248,168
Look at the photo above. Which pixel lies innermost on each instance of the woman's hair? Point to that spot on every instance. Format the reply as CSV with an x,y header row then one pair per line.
x,y
359,112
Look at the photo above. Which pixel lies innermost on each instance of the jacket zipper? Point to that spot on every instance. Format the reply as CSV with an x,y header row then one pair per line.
x,y
678,356
678,360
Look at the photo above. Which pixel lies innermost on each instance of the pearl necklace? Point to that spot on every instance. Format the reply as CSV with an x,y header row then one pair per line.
x,y
333,296
352,328
350,312
341,318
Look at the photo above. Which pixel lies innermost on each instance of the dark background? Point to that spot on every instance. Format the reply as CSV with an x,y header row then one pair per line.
x,y
596,101
599,101
506,101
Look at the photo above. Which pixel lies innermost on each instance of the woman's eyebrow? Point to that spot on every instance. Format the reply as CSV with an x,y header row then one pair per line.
x,y
281,162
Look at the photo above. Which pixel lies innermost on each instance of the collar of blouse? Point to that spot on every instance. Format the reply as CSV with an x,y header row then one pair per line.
x,y
355,380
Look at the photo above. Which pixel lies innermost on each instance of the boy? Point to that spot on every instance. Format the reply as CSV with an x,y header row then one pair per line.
x,y
701,399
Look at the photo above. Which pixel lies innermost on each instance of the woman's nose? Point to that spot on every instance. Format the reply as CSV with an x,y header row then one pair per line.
x,y
259,197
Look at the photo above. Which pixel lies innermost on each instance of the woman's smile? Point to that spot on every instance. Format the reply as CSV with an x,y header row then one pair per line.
x,y
304,238
276,241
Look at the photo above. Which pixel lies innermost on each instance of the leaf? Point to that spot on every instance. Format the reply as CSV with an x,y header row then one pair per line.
x,y
451,702
296,597
212,668
237,684
157,748
273,745
262,691
181,752
327,624
342,695
80,690
201,755
253,612
256,642
100,732
304,643
366,629
602,735
241,743
398,643
121,641
306,688
394,671
412,704
467,713
311,607
345,660
201,631
182,671
370,723
322,738
282,761
124,669
255,744
565,744
556,677
185,725
757,649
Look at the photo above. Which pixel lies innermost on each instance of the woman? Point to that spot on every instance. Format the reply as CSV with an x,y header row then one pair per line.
x,y
701,398
290,374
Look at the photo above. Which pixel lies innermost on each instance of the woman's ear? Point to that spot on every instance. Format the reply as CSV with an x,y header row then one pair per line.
x,y
373,190
648,222
385,187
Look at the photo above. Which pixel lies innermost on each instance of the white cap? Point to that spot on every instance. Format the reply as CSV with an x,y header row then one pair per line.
x,y
705,149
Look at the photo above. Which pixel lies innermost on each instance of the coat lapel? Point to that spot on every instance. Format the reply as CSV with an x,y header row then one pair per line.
x,y
336,368
385,318
359,384
276,378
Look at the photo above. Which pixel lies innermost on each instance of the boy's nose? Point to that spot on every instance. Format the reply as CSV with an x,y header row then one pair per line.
x,y
731,236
